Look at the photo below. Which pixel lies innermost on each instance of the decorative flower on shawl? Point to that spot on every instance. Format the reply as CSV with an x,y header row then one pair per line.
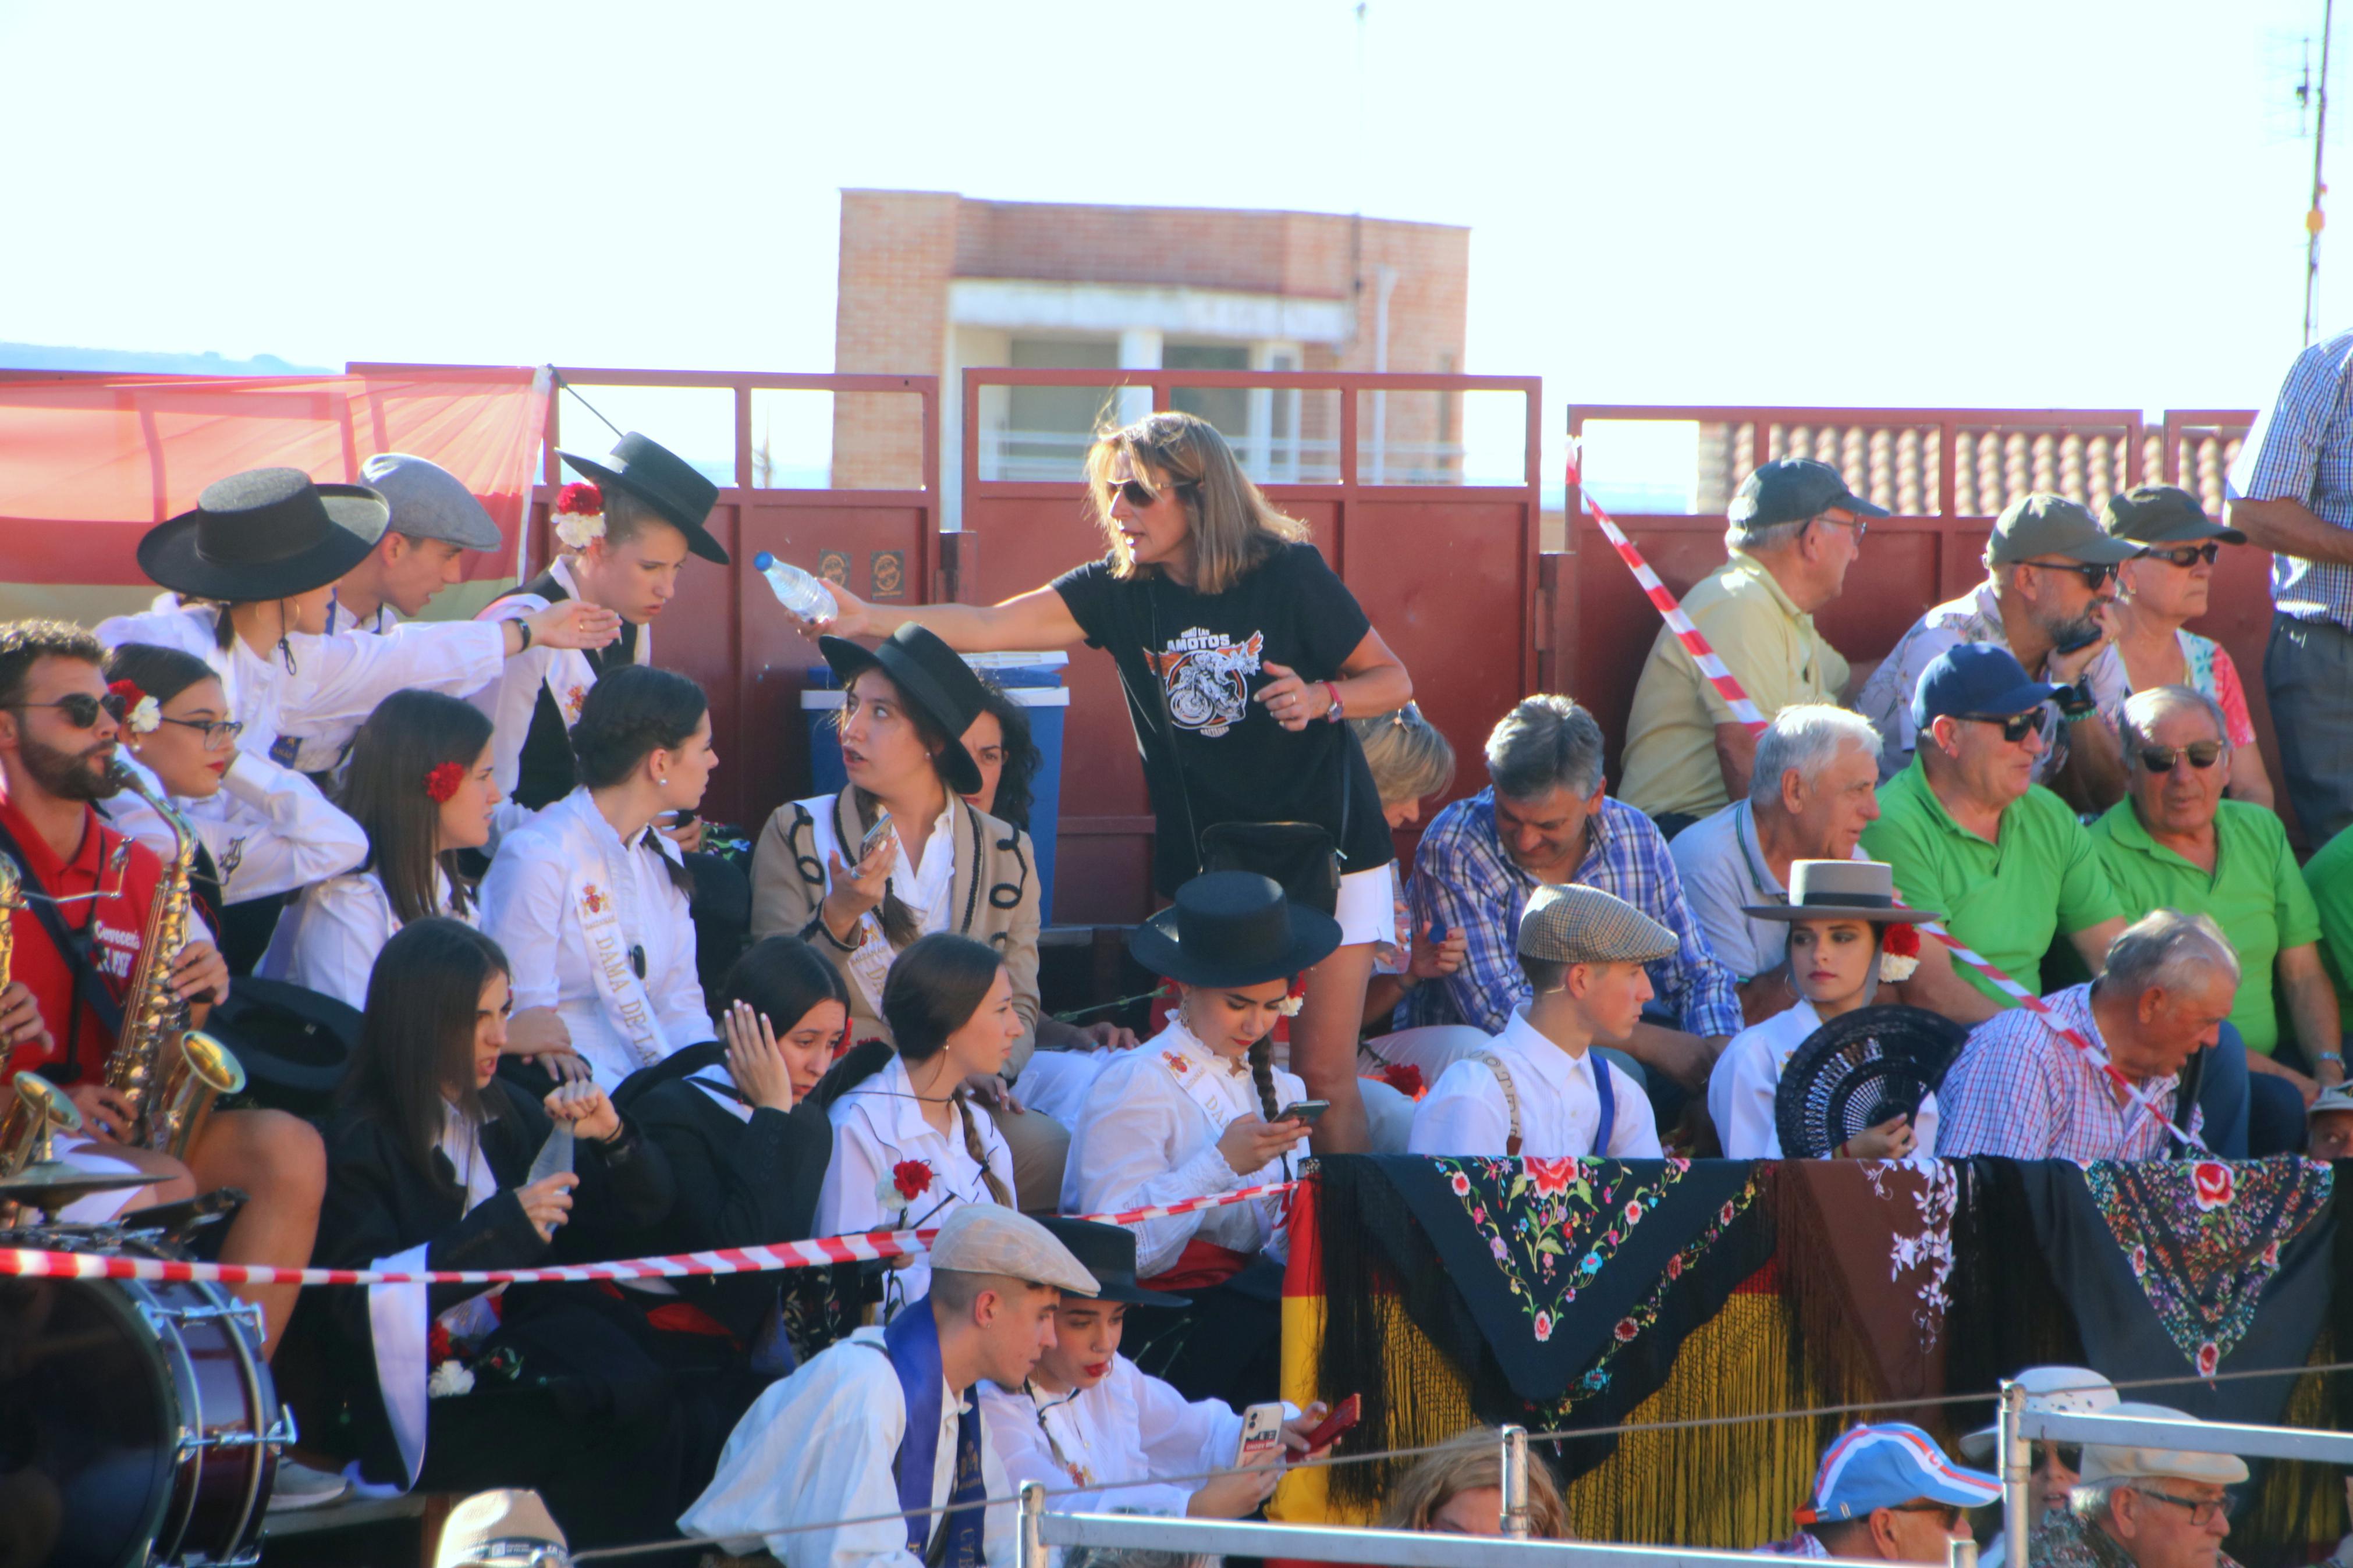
x,y
1552,1224
442,782
1405,1078
1899,953
1543,1327
579,514
1550,1176
2210,1356
141,713
911,1179
2213,1183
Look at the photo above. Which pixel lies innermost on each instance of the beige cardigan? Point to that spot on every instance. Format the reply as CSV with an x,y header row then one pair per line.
x,y
993,898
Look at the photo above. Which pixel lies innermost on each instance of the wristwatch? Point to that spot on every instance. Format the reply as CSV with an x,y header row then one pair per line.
x,y
1333,714
2075,702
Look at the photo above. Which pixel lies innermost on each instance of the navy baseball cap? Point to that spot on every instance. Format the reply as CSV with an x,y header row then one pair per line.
x,y
1886,1465
1976,680
1792,489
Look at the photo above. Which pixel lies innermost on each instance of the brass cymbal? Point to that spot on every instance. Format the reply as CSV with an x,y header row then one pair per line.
x,y
51,1184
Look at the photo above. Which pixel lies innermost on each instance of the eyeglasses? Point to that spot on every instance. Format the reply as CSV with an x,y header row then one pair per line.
x,y
2092,572
1861,526
2068,1455
2202,1510
1140,495
217,732
2185,555
81,710
1950,1512
2202,754
2015,727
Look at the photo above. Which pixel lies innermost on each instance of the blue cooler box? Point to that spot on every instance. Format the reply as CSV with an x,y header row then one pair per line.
x,y
1032,680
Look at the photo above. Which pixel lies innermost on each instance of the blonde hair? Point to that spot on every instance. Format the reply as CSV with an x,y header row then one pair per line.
x,y
1233,526
1410,759
1466,1462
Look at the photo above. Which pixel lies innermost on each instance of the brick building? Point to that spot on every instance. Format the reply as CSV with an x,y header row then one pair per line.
x,y
933,282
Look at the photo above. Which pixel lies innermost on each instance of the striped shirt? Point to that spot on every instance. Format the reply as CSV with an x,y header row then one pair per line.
x,y
2301,449
2020,1091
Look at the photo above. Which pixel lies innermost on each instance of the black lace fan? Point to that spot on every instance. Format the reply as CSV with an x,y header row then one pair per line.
x,y
1858,1071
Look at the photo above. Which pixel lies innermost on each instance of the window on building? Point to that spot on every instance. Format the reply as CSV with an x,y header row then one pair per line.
x,y
1226,407
1047,428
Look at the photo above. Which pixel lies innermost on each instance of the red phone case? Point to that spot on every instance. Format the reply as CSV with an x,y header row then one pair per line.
x,y
1343,1416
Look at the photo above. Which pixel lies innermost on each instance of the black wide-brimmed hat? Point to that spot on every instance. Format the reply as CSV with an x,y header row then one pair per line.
x,y
1858,1071
663,480
294,1043
1233,928
266,533
1108,1252
930,676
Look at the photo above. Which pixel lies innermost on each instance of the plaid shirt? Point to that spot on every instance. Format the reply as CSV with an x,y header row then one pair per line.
x,y
2301,448
1464,881
2020,1091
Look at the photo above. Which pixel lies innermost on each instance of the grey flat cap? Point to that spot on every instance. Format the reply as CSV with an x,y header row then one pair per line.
x,y
983,1239
428,501
1571,924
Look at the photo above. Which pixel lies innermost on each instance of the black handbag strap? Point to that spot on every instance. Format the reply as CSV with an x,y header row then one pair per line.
x,y
90,986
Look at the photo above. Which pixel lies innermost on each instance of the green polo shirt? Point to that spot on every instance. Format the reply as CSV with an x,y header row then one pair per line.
x,y
2256,894
2328,878
2006,899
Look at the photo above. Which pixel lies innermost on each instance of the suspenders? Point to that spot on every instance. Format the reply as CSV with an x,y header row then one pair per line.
x,y
1604,1093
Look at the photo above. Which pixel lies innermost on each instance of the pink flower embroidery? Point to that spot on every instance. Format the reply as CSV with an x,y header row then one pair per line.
x,y
1675,1266
1724,1214
1634,1210
1626,1331
2212,1183
2139,1262
2271,1256
1462,1184
2210,1356
1544,1327
1551,1176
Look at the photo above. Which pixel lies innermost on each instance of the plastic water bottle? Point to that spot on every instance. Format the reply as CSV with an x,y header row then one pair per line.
x,y
805,595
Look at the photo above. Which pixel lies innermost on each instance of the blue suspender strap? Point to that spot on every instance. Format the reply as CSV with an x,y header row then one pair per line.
x,y
1606,1093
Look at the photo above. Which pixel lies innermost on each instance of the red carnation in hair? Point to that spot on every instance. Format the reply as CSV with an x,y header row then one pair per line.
x,y
580,497
442,782
1903,939
128,690
1403,1076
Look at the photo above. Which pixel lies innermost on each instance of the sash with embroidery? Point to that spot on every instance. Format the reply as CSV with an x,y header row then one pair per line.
x,y
912,1344
1198,1079
627,1006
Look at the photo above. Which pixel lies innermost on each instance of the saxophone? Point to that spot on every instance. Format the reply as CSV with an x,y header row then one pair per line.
x,y
38,1109
169,1074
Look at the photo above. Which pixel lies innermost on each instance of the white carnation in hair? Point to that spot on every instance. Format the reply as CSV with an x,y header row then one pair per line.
x,y
146,717
449,1379
1289,1006
577,528
1895,968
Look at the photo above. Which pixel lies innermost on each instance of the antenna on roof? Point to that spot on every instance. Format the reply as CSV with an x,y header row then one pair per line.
x,y
2315,96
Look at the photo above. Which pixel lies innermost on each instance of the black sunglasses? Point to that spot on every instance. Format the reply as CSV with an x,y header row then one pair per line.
x,y
2092,572
2185,555
81,710
1950,1513
2202,754
1140,495
2015,727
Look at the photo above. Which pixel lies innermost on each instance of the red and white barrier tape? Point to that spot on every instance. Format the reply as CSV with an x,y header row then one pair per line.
x,y
1745,712
685,1264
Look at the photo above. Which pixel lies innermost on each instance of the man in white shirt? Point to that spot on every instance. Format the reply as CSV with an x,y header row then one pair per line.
x,y
435,521
1540,1090
886,1420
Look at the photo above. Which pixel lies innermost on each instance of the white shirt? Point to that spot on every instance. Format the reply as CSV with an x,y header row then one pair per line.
x,y
877,1126
268,828
1747,1076
328,939
527,909
819,1445
1148,1134
1560,1112
305,718
1129,1425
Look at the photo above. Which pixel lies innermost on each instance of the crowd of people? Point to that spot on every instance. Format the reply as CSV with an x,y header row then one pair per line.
x,y
579,1032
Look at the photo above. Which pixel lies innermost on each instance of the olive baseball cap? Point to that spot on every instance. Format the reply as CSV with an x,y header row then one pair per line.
x,y
2163,514
2041,523
1791,490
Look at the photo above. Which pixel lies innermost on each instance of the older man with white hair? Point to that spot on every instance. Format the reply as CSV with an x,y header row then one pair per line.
x,y
2019,1091
2143,1508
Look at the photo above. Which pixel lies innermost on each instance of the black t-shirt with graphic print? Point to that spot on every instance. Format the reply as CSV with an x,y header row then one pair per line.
x,y
1207,655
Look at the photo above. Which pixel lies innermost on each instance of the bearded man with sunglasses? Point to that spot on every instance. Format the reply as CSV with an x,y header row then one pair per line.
x,y
2050,589
92,887
2173,842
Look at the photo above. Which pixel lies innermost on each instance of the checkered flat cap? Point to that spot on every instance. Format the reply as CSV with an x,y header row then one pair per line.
x,y
1571,924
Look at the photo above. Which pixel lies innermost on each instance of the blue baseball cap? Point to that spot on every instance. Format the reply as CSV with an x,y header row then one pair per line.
x,y
1976,679
1880,1466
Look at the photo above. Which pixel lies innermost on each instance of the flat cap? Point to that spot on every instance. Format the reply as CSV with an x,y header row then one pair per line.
x,y
2104,1461
985,1238
428,501
1571,924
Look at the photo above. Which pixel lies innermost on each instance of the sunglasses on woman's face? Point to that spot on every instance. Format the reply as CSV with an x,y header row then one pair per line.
x,y
2185,555
1140,495
81,710
2015,727
2202,754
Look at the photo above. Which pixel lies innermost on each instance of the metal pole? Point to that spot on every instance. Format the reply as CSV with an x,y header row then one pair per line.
x,y
1961,1552
2017,1475
2312,218
1516,1483
1033,1520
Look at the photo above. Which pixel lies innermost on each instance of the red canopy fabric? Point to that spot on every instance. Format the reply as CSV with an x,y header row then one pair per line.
x,y
88,464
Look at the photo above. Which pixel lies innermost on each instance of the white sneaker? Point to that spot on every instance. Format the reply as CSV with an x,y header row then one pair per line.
x,y
299,1485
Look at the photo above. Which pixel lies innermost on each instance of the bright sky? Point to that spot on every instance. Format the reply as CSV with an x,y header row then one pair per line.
x,y
2021,202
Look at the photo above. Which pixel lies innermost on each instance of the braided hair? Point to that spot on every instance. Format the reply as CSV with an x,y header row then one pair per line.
x,y
1262,1066
933,989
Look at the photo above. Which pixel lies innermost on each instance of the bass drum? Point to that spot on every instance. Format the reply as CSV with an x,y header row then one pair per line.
x,y
138,1423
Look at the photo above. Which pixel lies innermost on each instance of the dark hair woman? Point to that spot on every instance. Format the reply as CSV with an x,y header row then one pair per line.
x,y
177,731
429,1167
1007,754
1202,1110
590,898
1240,652
907,1145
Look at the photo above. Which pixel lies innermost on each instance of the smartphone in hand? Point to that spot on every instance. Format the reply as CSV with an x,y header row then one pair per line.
x,y
1307,1110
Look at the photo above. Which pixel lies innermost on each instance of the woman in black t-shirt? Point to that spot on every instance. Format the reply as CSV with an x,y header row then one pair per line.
x,y
1240,653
